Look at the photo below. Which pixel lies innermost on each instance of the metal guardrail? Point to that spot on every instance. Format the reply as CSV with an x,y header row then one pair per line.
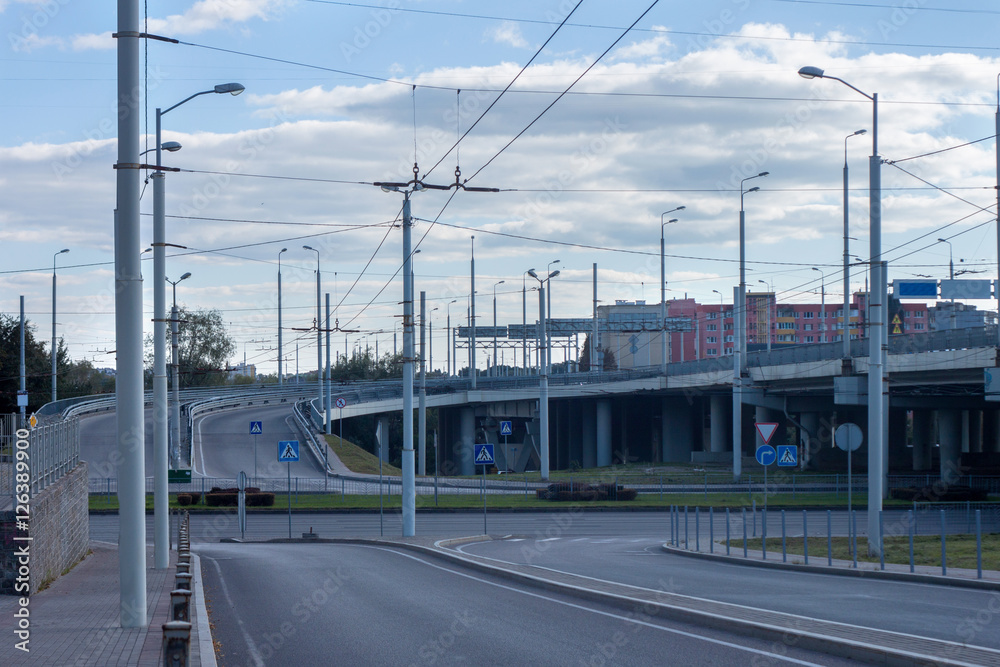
x,y
51,451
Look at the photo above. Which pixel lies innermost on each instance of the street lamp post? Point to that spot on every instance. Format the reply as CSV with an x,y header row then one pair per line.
x,y
449,340
496,369
54,350
543,379
663,289
951,259
430,339
472,315
524,322
176,405
876,382
846,328
162,527
319,335
281,379
822,305
739,348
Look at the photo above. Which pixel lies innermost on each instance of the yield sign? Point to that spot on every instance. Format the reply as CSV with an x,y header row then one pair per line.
x,y
766,430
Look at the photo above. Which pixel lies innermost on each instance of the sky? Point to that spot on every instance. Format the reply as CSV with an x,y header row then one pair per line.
x,y
339,95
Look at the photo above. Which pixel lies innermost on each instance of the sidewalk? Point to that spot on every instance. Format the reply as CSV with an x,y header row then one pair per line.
x,y
76,620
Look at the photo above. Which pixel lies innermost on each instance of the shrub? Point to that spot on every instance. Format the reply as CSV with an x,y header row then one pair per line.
x,y
260,499
183,499
566,491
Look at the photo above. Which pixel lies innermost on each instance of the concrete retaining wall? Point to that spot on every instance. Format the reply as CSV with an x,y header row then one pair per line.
x,y
59,525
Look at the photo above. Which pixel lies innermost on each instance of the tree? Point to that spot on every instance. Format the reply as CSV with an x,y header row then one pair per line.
x,y
203,349
38,369
610,364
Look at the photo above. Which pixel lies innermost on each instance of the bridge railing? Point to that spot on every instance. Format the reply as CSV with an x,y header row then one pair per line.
x,y
50,451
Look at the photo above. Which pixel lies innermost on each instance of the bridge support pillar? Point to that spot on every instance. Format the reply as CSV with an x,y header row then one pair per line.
x,y
383,421
991,437
603,418
467,435
678,435
809,441
588,435
922,427
975,431
721,424
950,436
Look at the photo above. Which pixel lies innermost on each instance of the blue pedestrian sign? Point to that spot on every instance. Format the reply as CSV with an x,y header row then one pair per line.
x,y
765,455
506,428
288,451
256,428
788,455
484,455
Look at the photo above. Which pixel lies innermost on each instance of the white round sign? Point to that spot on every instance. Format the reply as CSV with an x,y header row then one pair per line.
x,y
342,403
848,437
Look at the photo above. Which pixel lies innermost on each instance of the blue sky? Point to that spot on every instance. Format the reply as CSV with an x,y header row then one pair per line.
x,y
697,96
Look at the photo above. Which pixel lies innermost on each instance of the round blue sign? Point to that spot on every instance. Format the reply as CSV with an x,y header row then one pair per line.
x,y
766,455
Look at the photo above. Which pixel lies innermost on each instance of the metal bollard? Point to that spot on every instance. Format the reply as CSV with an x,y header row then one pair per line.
x,y
184,567
176,644
180,605
183,581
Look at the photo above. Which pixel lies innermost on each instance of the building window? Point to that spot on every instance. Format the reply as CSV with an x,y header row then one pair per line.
x,y
787,325
712,339
711,327
918,326
712,315
712,352
808,315
728,327
919,313
729,350
729,339
807,327
809,339
798,315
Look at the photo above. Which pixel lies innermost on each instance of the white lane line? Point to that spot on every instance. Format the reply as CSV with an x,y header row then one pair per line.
x,y
201,450
254,653
607,614
549,539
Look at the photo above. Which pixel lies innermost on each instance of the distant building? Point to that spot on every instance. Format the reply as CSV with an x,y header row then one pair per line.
x,y
243,370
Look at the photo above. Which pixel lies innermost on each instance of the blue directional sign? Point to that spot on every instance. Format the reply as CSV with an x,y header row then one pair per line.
x,y
766,455
256,428
288,451
506,428
484,455
788,455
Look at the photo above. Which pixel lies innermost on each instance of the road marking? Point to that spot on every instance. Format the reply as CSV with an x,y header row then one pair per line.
x,y
549,539
234,610
626,619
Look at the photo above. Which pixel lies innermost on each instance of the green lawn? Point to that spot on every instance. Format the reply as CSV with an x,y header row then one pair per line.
x,y
961,549
358,460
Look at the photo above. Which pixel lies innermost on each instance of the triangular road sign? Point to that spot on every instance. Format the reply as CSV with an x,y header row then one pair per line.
x,y
766,430
484,455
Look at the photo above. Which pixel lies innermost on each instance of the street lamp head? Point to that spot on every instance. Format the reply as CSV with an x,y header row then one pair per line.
x,y
815,269
307,247
553,274
170,146
231,88
531,272
810,72
501,282
671,220
283,250
753,190
943,240
62,251
860,132
764,173
680,208
185,276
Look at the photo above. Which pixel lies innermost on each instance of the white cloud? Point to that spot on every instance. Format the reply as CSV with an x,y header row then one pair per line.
x,y
508,32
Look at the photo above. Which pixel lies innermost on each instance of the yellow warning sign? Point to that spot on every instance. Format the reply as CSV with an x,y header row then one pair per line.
x,y
896,329
897,320
33,421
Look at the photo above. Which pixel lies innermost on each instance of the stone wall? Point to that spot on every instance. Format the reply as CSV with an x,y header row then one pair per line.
x,y
59,525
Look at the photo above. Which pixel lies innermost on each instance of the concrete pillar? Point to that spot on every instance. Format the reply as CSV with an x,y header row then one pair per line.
x,y
965,431
950,437
809,442
467,438
603,418
975,431
383,422
899,456
922,432
721,424
588,438
678,434
991,438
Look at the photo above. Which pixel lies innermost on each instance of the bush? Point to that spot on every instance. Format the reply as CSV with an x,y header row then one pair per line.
x,y
565,491
230,498
221,499
260,500
183,499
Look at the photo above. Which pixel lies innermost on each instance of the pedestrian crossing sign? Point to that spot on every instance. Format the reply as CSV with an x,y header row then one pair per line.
x,y
288,451
788,455
506,428
256,428
484,455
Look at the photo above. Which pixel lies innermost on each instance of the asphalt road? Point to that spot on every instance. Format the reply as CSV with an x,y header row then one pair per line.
x,y
306,604
223,445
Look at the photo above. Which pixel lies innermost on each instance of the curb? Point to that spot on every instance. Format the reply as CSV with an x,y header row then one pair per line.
x,y
206,645
889,575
